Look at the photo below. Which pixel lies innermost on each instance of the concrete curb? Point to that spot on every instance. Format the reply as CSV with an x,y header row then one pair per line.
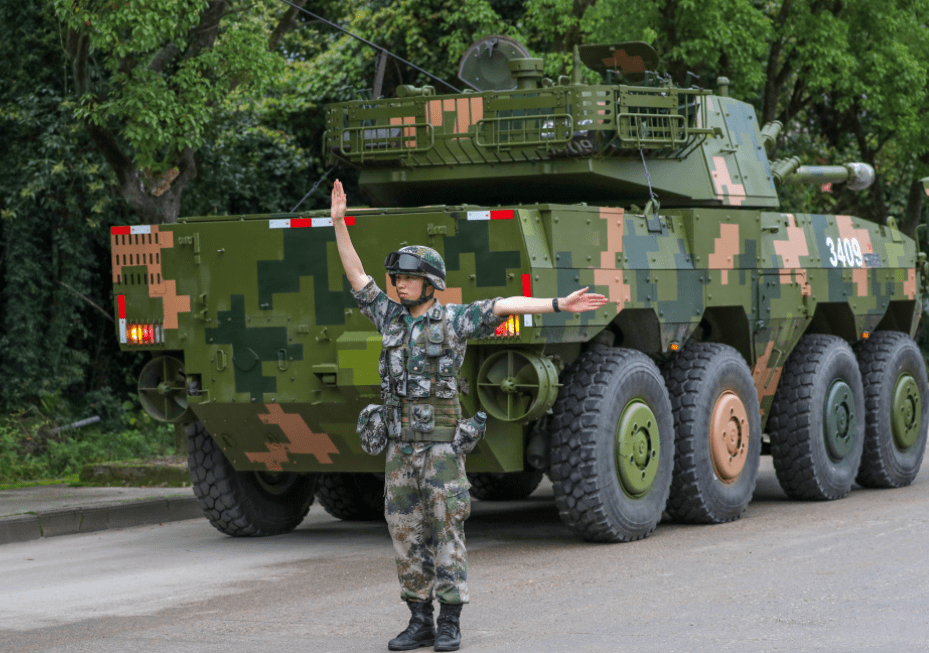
x,y
136,475
32,526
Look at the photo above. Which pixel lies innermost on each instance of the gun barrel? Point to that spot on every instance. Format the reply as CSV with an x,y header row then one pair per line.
x,y
857,176
822,174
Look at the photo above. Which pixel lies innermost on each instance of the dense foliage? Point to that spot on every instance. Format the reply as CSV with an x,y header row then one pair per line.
x,y
133,111
32,448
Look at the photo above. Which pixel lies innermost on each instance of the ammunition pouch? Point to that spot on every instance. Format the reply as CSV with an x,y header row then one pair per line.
x,y
432,419
372,428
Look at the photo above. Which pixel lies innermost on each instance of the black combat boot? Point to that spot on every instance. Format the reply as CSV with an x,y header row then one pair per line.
x,y
449,632
420,632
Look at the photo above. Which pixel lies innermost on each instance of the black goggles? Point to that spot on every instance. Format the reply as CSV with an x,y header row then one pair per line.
x,y
406,263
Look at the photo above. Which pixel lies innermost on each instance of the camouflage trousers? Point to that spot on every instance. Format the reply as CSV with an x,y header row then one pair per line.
x,y
426,504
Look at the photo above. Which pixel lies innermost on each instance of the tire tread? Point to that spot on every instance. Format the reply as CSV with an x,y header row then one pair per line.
x,y
687,501
578,493
874,356
789,421
219,493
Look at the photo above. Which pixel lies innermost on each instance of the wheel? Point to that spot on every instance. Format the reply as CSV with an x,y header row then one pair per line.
x,y
512,486
896,402
817,420
352,497
717,426
612,446
244,503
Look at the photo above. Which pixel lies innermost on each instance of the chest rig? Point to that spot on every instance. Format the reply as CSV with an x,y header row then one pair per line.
x,y
422,382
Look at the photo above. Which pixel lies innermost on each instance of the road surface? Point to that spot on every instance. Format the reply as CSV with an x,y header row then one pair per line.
x,y
850,575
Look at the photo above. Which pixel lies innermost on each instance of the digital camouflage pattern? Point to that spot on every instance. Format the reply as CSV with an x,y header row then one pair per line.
x,y
426,504
431,257
467,435
278,359
407,373
372,429
288,335
427,496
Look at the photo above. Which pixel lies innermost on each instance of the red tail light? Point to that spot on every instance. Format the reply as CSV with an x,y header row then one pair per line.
x,y
510,328
144,334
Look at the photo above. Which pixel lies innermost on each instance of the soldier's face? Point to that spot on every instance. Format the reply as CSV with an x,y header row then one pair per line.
x,y
409,287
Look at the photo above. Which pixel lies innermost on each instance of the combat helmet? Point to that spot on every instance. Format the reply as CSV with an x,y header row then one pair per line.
x,y
417,261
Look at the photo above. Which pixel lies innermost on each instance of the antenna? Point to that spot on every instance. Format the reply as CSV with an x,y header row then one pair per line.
x,y
367,42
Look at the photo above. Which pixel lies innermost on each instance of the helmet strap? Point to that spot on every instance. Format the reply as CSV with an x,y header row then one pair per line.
x,y
423,297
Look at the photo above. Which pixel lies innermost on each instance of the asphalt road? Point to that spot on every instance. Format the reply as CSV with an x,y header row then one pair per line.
x,y
851,575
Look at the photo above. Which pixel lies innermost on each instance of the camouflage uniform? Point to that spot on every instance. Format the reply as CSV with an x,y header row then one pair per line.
x,y
427,499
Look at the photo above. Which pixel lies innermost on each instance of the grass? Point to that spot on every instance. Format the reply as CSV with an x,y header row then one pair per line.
x,y
32,453
67,480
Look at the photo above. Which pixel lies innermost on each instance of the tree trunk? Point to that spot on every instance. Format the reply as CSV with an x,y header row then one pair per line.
x,y
776,74
158,200
914,201
912,218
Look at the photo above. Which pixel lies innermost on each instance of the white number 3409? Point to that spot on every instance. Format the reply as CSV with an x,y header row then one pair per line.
x,y
846,251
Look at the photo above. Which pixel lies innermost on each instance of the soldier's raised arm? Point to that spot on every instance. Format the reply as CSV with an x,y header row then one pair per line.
x,y
350,261
577,302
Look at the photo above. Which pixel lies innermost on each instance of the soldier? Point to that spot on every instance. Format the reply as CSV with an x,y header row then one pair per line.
x,y
427,499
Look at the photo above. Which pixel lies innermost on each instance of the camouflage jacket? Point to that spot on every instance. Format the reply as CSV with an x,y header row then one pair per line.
x,y
399,328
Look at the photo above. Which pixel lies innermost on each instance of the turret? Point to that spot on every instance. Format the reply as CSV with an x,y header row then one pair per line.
x,y
525,138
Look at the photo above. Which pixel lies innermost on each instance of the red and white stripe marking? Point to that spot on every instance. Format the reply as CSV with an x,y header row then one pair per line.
x,y
491,215
121,303
128,231
297,223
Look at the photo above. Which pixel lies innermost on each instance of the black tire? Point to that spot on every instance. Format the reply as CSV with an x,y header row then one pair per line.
x,y
814,462
352,497
893,449
595,499
511,486
244,504
714,475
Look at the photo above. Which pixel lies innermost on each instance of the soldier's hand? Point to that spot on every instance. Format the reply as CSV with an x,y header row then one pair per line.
x,y
338,202
580,301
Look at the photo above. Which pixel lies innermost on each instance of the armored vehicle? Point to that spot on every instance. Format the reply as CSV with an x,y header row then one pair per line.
x,y
733,329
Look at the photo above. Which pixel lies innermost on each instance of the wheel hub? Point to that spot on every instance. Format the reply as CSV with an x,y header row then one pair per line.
x,y
637,448
906,412
729,436
840,423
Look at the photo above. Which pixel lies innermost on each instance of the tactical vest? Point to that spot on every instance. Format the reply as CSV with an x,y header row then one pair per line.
x,y
422,418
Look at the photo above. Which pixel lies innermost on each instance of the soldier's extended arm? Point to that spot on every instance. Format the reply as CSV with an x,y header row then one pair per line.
x,y
577,302
350,261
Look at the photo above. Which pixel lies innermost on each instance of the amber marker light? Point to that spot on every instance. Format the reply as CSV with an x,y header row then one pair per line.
x,y
510,328
143,334
675,346
865,335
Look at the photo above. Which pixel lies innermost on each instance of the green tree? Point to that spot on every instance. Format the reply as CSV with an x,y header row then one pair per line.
x,y
55,208
153,76
848,78
59,196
